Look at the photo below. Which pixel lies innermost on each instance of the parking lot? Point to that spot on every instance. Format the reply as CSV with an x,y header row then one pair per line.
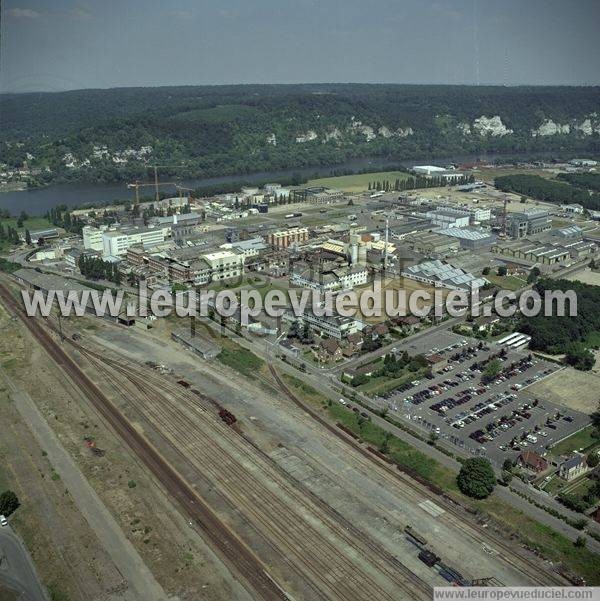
x,y
497,419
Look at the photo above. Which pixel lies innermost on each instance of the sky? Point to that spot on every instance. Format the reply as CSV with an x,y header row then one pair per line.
x,y
53,45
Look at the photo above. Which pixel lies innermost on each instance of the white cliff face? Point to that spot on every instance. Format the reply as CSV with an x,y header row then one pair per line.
x,y
365,130
585,127
549,128
272,139
404,132
491,126
307,137
401,132
334,134
464,128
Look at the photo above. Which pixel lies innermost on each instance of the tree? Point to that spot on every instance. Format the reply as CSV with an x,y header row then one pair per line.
x,y
533,276
593,459
27,237
508,465
502,270
507,476
491,370
580,542
485,271
476,478
9,502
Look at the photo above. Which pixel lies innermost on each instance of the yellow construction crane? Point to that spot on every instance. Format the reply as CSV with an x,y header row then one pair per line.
x,y
137,185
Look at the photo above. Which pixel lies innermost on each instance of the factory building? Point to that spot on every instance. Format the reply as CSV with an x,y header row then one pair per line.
x,y
476,213
329,278
224,264
433,245
433,171
334,326
469,238
449,218
115,242
444,274
528,222
287,238
547,254
318,195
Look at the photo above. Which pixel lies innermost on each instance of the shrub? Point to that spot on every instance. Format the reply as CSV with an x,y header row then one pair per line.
x,y
476,478
9,502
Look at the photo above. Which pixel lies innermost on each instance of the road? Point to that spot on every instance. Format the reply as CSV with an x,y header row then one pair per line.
x,y
128,561
17,571
325,387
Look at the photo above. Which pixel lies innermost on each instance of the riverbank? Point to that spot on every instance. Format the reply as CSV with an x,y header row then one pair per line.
x,y
39,201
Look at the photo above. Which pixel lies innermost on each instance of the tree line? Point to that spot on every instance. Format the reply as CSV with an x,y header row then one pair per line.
x,y
95,268
549,190
566,335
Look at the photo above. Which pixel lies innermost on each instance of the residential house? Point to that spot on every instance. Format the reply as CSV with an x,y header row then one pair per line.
x,y
532,461
330,350
572,467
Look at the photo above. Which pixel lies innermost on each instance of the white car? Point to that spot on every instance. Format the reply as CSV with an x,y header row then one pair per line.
x,y
343,402
3,521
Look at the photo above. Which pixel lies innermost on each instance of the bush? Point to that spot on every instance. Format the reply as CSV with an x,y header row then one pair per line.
x,y
476,478
9,502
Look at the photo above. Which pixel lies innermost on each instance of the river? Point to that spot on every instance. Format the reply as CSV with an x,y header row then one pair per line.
x,y
38,201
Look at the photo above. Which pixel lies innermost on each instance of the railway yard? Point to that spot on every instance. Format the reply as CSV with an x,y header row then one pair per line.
x,y
291,507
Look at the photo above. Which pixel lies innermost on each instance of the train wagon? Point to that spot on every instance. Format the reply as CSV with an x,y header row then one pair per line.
x,y
415,535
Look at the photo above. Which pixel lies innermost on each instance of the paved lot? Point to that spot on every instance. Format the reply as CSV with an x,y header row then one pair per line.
x,y
17,572
480,419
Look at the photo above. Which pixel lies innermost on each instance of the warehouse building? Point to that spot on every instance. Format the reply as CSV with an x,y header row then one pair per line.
x,y
449,218
469,238
444,274
431,244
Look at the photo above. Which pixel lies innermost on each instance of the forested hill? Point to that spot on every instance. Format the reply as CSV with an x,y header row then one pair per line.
x,y
113,134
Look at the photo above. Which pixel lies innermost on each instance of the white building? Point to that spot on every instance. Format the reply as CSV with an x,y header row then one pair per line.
x,y
572,208
92,237
428,170
115,242
449,218
225,264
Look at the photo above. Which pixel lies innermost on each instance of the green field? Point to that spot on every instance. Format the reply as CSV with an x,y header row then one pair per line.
x,y
239,358
359,182
31,224
580,440
508,282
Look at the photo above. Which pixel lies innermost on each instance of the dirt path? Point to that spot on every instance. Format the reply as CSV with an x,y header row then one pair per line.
x,y
122,552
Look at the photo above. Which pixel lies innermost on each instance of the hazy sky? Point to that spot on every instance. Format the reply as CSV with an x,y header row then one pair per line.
x,y
67,44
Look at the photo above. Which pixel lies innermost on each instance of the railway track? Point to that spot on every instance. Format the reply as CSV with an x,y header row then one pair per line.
x,y
278,521
522,564
237,555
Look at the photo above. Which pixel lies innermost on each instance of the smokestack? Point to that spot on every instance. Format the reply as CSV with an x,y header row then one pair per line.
x,y
385,249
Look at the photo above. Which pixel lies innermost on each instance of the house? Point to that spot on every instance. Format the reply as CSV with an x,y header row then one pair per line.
x,y
486,322
363,370
355,340
330,350
572,467
381,330
532,461
409,323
